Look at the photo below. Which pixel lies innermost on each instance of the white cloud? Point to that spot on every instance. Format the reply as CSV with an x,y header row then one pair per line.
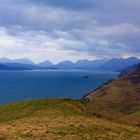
x,y
59,31
38,46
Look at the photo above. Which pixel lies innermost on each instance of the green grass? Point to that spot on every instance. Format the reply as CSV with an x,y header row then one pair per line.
x,y
40,106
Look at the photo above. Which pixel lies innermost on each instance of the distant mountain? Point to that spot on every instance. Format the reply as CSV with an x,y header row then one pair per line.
x,y
118,99
5,60
115,64
45,64
65,65
28,66
18,66
81,64
24,61
6,67
21,61
86,64
118,64
22,66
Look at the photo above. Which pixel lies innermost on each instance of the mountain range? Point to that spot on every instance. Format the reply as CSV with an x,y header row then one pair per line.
x,y
115,64
118,64
21,61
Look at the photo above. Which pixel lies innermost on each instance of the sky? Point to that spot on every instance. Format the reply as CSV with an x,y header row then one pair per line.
x,y
58,30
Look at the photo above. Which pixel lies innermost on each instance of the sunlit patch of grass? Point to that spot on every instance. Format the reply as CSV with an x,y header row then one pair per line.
x,y
63,119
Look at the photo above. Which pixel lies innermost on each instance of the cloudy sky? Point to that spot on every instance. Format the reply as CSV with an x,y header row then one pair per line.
x,y
69,29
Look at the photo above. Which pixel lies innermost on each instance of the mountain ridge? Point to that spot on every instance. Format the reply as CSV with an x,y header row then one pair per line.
x,y
115,64
119,64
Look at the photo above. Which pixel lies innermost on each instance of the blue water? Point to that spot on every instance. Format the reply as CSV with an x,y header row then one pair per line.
x,y
21,85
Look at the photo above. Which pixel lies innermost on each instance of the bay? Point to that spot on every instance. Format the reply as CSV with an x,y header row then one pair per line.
x,y
24,85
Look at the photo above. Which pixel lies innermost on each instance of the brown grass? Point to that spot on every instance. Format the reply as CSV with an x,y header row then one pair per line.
x,y
54,127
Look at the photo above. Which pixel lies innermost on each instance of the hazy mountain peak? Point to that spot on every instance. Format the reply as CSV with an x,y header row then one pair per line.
x,y
5,60
24,61
118,64
45,63
21,61
65,62
83,61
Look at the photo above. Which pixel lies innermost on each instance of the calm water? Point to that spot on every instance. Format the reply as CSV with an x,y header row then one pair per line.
x,y
21,85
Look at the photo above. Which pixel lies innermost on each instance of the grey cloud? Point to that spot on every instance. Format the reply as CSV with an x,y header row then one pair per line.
x,y
69,4
100,28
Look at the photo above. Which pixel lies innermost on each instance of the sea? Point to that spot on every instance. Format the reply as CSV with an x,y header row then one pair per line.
x,y
25,85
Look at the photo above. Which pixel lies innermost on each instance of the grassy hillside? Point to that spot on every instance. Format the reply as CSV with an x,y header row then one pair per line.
x,y
62,119
34,107
118,99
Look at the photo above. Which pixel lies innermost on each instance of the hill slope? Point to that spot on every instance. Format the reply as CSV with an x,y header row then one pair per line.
x,y
63,119
118,99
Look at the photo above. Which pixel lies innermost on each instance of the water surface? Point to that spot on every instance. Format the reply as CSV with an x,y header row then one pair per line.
x,y
21,85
